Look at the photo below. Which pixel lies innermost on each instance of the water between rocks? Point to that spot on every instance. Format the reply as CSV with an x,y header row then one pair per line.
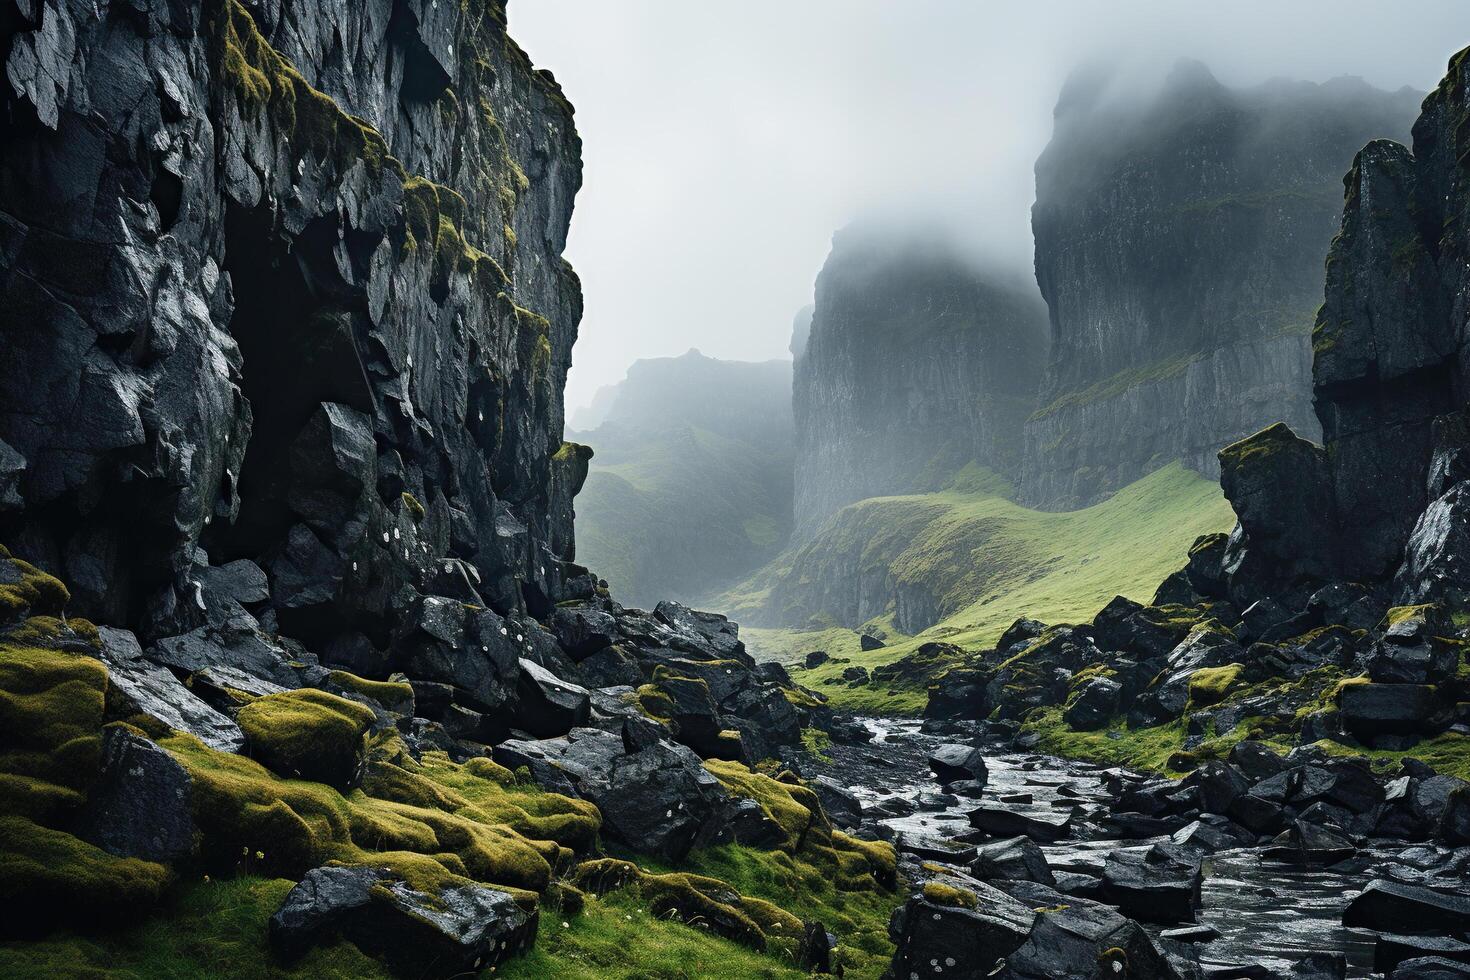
x,y
1268,914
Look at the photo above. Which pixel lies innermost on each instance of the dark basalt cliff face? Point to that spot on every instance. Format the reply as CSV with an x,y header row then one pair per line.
x,y
690,487
1390,381
1179,245
915,363
283,281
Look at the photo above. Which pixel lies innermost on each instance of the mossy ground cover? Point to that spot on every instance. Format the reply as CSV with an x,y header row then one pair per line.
x,y
1056,567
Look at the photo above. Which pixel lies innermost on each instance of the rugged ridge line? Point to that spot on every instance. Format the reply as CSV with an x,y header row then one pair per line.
x,y
1179,246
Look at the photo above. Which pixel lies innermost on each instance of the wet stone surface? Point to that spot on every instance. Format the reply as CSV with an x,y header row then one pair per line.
x,y
1268,914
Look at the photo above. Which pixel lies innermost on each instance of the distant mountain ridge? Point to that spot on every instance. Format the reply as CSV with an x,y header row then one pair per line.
x,y
690,485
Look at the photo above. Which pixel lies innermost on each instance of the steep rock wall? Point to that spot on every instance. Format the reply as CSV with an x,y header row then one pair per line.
x,y
283,281
1391,376
915,364
1179,246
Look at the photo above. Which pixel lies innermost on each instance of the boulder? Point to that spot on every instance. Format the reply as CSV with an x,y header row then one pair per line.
x,y
140,687
1160,884
1431,968
582,629
1093,704
549,706
956,927
1392,906
659,799
1320,966
815,659
308,734
1082,939
1042,824
1309,844
1391,951
953,762
1256,760
1368,711
841,804
459,931
1016,859
139,805
867,641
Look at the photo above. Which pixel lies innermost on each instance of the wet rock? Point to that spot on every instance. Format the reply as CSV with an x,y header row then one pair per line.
x,y
1391,951
1038,823
1087,940
1160,884
140,804
549,706
583,629
1437,558
1320,966
1255,760
460,930
1371,711
1094,703
1306,843
1190,934
1016,859
659,800
1391,906
1220,784
842,805
956,927
140,687
1431,968
952,763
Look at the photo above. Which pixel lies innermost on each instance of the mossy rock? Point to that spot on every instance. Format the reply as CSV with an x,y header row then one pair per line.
x,y
25,590
48,876
1210,685
308,734
51,712
941,893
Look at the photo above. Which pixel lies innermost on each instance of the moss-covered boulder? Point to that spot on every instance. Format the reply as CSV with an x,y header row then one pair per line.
x,y
308,734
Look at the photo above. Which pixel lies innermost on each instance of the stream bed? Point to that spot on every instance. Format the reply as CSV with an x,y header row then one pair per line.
x,y
1268,914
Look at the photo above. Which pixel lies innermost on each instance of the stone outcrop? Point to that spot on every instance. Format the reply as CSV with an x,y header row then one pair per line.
x,y
916,362
1179,246
283,281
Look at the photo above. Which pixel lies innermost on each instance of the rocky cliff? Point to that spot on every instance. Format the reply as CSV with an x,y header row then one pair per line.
x,y
691,484
284,328
283,281
1179,246
916,363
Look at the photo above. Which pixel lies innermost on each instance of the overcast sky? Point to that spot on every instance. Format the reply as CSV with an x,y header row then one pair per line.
x,y
724,142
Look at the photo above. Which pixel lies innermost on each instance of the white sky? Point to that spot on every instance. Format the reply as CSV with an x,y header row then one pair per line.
x,y
724,142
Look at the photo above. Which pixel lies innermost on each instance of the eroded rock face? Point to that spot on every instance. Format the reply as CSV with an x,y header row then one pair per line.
x,y
915,364
284,281
1183,269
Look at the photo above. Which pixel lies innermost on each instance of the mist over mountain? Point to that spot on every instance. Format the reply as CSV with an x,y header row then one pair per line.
x,y
918,362
1180,237
690,485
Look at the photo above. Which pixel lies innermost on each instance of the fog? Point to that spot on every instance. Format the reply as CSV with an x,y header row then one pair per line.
x,y
725,142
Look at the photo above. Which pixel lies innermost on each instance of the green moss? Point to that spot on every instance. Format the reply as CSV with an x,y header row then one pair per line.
x,y
51,713
211,929
944,894
1254,449
1157,749
36,594
1209,685
392,695
415,509
817,742
307,734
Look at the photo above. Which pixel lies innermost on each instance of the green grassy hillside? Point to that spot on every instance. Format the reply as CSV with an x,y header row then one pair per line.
x,y
986,560
677,512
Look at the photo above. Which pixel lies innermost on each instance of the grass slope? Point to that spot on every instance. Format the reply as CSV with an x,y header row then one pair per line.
x,y
990,561
672,513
